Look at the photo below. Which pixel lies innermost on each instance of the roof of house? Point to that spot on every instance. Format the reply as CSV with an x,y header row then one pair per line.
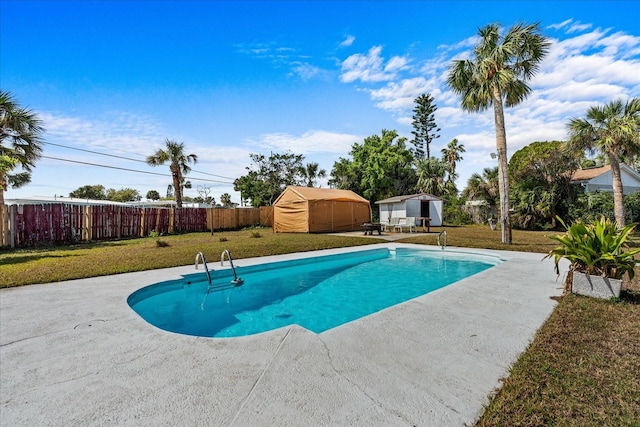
x,y
37,200
400,199
590,173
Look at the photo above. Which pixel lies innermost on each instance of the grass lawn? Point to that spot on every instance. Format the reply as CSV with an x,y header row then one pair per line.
x,y
582,369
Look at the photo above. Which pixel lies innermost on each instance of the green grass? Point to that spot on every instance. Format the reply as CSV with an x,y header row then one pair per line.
x,y
54,264
580,370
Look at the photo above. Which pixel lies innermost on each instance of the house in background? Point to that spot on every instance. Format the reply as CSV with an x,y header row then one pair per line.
x,y
600,179
412,206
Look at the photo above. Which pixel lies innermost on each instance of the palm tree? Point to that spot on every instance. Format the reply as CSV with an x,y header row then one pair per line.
x,y
311,173
613,130
20,143
497,76
174,154
431,173
484,187
451,155
225,199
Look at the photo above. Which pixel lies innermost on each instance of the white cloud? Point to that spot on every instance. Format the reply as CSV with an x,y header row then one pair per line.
x,y
560,24
371,68
314,141
116,131
401,95
306,71
348,41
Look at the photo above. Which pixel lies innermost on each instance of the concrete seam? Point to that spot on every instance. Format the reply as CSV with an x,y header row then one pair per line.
x,y
255,385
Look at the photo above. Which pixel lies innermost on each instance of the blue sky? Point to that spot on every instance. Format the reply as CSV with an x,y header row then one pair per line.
x,y
230,78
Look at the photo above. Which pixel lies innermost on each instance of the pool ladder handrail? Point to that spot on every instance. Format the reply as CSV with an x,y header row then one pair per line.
x,y
200,256
237,281
443,246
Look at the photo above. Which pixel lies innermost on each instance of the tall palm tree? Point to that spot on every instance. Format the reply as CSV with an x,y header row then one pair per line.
x,y
451,155
20,143
613,130
178,165
312,172
497,76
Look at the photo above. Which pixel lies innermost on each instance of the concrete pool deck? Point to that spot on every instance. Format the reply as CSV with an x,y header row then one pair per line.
x,y
75,354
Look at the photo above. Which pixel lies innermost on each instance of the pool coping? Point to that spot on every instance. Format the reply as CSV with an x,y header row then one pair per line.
x,y
74,353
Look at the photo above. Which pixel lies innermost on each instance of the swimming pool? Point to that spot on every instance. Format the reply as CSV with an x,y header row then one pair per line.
x,y
317,293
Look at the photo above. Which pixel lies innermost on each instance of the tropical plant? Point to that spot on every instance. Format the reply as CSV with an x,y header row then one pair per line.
x,y
425,129
431,174
595,248
483,187
497,76
20,143
178,165
225,199
451,155
613,130
312,172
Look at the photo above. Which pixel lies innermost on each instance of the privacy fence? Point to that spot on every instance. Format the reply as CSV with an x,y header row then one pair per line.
x,y
57,223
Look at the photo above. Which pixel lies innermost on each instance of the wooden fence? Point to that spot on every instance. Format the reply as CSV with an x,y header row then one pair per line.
x,y
56,223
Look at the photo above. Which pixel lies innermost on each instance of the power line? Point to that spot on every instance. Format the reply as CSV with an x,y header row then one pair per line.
x,y
130,170
128,158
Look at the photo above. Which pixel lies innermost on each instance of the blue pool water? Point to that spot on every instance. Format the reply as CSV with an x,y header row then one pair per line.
x,y
317,293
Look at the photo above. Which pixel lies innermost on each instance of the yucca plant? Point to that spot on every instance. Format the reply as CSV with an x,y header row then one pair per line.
x,y
596,248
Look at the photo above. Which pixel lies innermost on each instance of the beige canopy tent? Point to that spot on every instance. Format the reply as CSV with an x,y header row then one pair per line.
x,y
318,210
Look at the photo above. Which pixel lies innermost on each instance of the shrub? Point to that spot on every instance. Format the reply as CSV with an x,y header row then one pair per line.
x,y
595,247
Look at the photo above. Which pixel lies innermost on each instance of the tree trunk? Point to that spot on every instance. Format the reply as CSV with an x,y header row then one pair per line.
x,y
503,170
177,188
618,197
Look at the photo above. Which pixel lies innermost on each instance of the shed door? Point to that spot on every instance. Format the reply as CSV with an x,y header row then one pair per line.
x,y
424,209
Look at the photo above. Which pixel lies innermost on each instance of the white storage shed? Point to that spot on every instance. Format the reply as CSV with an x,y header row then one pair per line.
x,y
418,206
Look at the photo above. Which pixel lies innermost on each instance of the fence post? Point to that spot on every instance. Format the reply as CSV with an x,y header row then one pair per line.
x,y
4,228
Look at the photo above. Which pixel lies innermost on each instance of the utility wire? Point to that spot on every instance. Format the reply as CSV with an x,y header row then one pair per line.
x,y
128,158
130,170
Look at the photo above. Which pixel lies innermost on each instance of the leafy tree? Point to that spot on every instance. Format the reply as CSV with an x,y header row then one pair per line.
x,y
380,167
541,176
95,192
123,195
425,129
613,130
269,176
178,165
20,143
312,172
153,195
496,76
